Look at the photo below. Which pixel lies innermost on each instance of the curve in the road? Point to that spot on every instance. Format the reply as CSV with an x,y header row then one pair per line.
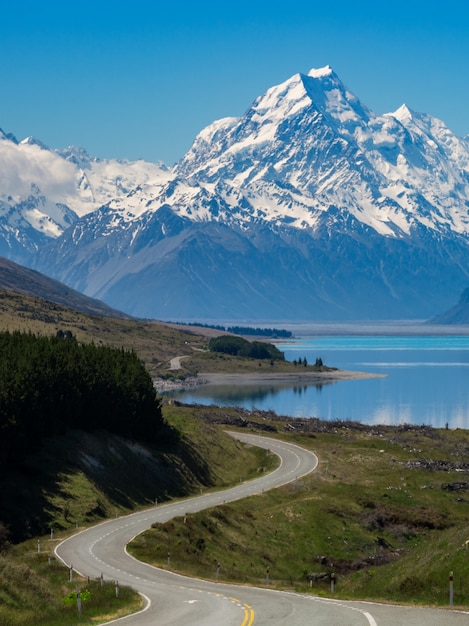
x,y
177,600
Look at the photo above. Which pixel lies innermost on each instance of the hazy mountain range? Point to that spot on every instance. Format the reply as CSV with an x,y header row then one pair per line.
x,y
309,206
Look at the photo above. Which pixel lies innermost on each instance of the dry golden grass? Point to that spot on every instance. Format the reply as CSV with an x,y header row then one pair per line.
x,y
155,342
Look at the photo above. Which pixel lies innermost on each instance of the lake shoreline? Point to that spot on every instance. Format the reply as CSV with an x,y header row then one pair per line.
x,y
425,381
264,378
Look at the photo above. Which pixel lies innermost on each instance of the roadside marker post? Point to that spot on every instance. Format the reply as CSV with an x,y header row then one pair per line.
x,y
71,573
451,588
78,601
332,582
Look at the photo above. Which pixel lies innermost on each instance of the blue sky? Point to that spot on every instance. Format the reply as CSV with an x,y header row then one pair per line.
x,y
140,79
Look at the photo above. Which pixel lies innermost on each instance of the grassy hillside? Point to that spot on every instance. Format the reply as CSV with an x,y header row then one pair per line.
x,y
79,479
154,342
386,512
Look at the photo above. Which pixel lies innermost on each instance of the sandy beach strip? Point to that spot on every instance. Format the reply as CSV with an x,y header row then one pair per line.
x,y
254,378
259,379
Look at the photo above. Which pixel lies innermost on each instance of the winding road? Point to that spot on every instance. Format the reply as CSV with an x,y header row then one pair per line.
x,y
174,600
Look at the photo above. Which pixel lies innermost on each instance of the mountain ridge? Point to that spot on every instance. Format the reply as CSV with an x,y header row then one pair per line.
x,y
324,208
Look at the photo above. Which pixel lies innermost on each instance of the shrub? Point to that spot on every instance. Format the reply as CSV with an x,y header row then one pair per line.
x,y
238,346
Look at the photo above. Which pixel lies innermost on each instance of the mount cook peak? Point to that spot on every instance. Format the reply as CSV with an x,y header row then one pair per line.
x,y
309,206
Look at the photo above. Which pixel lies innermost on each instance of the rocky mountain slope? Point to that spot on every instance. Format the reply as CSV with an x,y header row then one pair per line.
x,y
309,206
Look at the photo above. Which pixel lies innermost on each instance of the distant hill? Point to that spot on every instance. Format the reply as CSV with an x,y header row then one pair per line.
x,y
14,277
156,343
458,314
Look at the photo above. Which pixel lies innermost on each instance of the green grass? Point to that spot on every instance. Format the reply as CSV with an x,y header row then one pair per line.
x,y
224,363
227,460
34,592
386,527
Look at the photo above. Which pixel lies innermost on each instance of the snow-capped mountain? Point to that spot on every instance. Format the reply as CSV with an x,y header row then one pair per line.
x,y
312,138
43,192
309,206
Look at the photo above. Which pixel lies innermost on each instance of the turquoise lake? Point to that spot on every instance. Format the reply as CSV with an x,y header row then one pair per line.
x,y
426,382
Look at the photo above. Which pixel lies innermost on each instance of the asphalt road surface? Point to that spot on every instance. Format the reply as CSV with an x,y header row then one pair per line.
x,y
174,600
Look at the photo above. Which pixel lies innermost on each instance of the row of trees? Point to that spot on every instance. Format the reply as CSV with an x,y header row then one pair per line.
x,y
51,384
237,346
318,363
274,333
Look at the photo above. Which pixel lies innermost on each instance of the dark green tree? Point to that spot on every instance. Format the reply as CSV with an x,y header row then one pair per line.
x,y
51,384
238,346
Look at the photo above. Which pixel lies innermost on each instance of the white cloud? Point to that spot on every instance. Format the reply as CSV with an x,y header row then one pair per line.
x,y
23,165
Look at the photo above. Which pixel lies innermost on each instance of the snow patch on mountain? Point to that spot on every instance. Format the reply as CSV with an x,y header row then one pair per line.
x,y
100,181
